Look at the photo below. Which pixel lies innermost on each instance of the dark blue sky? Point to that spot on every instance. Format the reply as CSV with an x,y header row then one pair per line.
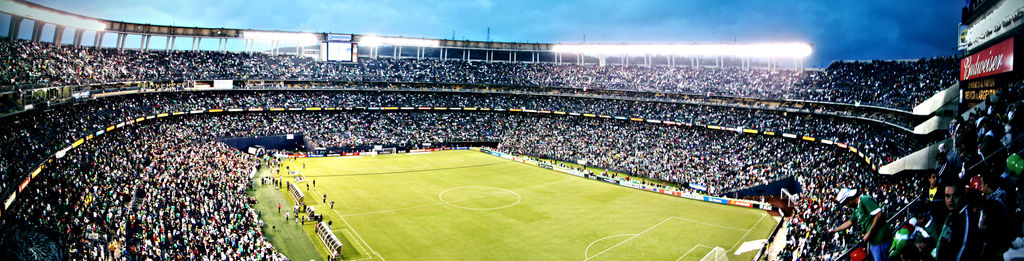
x,y
839,29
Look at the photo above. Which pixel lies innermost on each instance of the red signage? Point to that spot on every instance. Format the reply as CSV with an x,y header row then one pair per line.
x,y
24,184
993,60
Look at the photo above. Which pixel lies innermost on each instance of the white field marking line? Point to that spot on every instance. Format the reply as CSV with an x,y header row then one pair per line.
x,y
683,219
360,247
357,234
519,198
585,252
712,225
628,239
748,231
385,167
414,207
461,200
691,250
308,236
352,229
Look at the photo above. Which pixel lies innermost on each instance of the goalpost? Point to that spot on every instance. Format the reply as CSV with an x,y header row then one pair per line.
x,y
787,197
716,254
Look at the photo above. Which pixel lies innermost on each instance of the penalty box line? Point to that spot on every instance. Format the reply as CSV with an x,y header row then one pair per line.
x,y
352,229
694,248
679,218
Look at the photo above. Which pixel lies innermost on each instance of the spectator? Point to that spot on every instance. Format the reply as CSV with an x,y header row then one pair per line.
x,y
870,217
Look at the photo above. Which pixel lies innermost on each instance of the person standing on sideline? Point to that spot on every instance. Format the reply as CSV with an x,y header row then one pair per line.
x,y
332,204
869,216
278,207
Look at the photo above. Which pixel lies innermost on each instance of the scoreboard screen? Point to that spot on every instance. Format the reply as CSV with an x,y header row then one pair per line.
x,y
339,48
339,51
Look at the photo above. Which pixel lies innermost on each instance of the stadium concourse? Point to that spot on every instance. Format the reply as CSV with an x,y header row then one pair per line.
x,y
118,194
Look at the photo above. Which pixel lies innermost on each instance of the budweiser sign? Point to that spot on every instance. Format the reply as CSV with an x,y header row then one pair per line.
x,y
993,60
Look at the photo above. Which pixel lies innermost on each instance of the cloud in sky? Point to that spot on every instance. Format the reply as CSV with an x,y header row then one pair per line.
x,y
839,29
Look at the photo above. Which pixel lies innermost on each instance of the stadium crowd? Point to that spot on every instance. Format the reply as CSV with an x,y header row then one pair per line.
x,y
146,191
894,84
159,164
725,160
43,132
151,192
971,208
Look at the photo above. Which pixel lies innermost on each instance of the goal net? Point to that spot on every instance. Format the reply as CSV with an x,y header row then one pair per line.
x,y
788,198
716,254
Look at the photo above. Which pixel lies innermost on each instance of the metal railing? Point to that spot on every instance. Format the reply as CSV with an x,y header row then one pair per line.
x,y
890,222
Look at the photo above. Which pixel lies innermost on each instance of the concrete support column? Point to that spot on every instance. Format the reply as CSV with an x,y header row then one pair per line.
x,y
120,40
99,40
15,28
77,41
58,34
37,30
515,56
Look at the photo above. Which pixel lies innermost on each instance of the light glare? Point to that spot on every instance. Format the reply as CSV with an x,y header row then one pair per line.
x,y
306,38
788,50
372,40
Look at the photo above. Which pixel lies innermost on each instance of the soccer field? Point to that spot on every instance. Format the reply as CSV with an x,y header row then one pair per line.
x,y
467,205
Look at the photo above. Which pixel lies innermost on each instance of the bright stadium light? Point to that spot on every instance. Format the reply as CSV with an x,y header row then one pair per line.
x,y
373,40
785,50
306,38
23,10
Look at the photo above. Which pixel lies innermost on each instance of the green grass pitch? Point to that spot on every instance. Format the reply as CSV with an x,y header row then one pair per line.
x,y
468,205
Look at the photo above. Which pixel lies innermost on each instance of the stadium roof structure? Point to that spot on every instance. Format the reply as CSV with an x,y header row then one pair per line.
x,y
371,44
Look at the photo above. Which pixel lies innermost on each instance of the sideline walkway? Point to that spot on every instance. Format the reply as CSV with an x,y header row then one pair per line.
x,y
289,238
